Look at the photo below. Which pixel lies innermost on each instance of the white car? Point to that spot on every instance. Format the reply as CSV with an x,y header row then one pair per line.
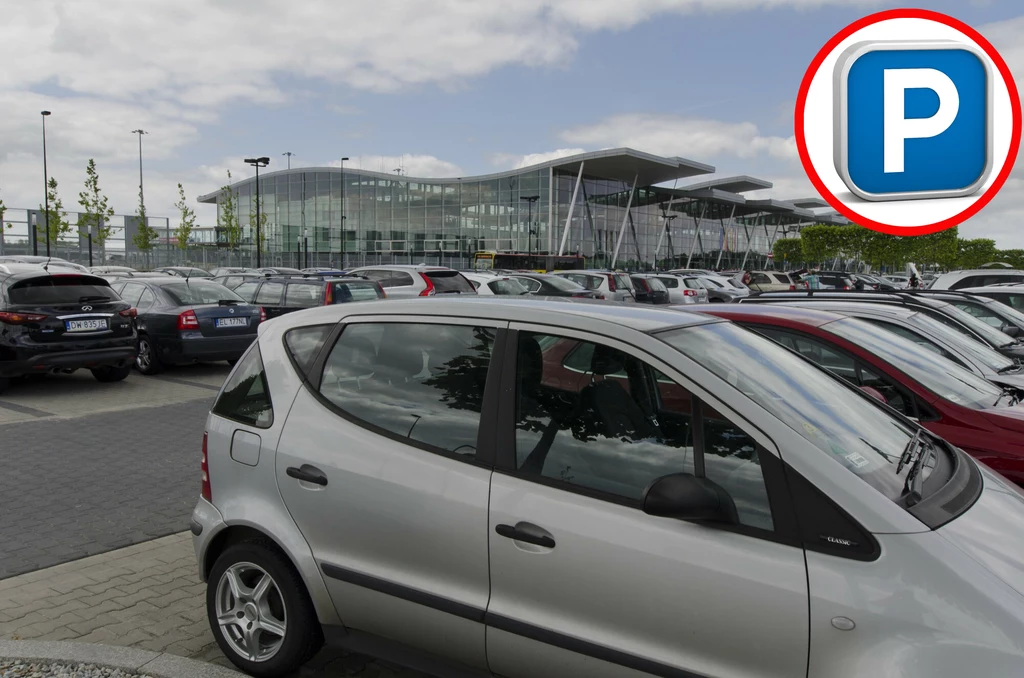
x,y
980,277
683,289
490,284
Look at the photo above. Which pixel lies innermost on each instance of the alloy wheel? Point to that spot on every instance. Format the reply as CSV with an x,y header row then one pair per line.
x,y
251,611
145,356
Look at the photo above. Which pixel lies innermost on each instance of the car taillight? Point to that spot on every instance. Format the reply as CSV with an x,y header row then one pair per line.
x,y
130,313
792,288
428,291
329,294
611,283
383,294
20,318
846,288
689,293
206,492
263,315
188,321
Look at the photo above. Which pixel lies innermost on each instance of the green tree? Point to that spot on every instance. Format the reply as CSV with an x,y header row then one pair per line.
x,y
788,252
145,237
263,220
183,233
975,252
228,222
96,209
1013,257
55,218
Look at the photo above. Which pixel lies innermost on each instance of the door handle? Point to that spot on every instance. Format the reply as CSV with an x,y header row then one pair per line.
x,y
525,532
310,474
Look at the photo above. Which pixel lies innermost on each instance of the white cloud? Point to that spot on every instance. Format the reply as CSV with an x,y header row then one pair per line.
x,y
677,135
516,161
411,165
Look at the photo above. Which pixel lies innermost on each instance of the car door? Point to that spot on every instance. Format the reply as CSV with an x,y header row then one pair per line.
x,y
271,297
394,430
583,582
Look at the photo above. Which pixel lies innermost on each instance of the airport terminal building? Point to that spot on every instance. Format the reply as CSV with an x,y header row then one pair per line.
x,y
619,207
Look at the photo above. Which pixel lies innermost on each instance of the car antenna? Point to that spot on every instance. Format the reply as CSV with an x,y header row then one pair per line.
x,y
47,264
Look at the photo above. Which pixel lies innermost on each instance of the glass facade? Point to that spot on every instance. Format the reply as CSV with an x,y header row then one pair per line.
x,y
374,217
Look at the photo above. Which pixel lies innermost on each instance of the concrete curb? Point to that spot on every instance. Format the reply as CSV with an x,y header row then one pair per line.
x,y
159,664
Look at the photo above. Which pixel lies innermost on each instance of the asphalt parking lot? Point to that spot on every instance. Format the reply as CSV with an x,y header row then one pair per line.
x,y
91,467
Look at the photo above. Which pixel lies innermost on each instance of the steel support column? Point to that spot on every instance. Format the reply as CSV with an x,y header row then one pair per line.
x,y
636,242
625,220
572,208
732,212
746,254
696,232
771,241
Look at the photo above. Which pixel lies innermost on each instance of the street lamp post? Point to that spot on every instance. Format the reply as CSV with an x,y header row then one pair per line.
x,y
142,199
530,199
46,196
289,154
343,213
258,163
305,242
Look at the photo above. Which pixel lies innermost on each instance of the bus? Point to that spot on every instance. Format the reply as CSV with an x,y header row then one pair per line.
x,y
515,261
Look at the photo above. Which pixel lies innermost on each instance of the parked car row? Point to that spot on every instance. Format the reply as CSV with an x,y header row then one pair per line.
x,y
472,485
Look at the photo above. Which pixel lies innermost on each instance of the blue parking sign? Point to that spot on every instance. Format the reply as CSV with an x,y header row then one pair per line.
x,y
914,120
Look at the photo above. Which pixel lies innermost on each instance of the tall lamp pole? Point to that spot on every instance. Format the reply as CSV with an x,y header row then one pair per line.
x,y
530,199
342,264
289,154
46,196
258,163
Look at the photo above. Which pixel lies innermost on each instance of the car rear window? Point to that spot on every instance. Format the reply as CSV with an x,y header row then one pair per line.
x,y
61,289
656,284
623,282
692,284
450,282
195,292
362,290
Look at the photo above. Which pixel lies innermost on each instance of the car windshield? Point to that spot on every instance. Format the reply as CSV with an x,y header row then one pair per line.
x,y
842,423
196,292
983,353
507,286
979,327
709,282
450,281
939,375
1007,311
60,289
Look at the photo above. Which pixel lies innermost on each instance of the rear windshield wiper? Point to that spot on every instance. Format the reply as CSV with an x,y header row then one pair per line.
x,y
1015,367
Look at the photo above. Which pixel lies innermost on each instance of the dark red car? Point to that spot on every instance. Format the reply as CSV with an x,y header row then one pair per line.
x,y
968,411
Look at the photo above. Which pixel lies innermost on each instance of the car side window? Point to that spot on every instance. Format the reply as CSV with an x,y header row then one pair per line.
x,y
400,279
981,313
245,397
759,279
132,292
671,283
620,425
247,290
303,295
415,382
530,284
146,300
270,293
918,339
382,277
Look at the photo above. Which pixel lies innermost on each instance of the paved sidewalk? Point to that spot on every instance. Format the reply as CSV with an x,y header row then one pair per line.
x,y
147,596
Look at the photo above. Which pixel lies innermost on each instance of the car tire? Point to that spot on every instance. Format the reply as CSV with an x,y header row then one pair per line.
x,y
4,383
112,373
147,361
285,604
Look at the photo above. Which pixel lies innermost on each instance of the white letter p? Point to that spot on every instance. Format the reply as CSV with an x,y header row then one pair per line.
x,y
896,127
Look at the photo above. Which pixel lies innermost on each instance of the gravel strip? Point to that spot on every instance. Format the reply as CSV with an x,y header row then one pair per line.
x,y
19,668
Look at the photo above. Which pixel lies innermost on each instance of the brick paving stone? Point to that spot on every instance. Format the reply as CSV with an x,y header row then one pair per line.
x,y
169,616
85,488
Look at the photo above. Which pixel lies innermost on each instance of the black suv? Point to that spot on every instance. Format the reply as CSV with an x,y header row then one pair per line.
x,y
62,321
280,295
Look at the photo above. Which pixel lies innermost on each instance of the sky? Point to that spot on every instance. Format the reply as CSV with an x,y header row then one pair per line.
x,y
435,87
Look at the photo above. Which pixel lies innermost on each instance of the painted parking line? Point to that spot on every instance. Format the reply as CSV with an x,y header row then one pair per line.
x,y
21,409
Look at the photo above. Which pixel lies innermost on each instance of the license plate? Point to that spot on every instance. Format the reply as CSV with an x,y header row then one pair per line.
x,y
97,325
232,322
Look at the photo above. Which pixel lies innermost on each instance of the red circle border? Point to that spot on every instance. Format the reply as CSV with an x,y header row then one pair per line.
x,y
1015,107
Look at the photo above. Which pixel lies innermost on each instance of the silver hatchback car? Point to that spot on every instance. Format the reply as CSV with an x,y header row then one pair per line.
x,y
539,489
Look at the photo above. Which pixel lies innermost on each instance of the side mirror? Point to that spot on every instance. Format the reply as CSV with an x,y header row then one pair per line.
x,y
875,393
1011,330
682,495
